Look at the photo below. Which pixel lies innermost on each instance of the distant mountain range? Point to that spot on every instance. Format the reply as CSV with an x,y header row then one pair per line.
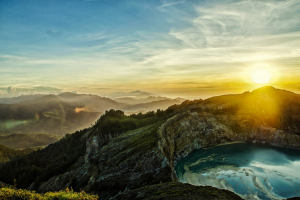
x,y
67,112
20,98
132,101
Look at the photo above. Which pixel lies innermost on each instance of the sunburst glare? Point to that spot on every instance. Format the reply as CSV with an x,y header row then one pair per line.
x,y
261,76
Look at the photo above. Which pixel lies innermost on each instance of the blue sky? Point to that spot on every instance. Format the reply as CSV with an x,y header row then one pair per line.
x,y
175,48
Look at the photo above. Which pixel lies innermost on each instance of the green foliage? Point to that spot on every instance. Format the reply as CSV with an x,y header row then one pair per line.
x,y
10,193
59,157
116,122
19,141
137,141
7,154
43,164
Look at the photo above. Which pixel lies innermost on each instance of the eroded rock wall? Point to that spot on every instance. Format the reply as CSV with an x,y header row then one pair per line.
x,y
129,161
148,155
188,131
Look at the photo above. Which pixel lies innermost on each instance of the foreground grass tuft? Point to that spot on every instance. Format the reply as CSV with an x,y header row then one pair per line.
x,y
20,194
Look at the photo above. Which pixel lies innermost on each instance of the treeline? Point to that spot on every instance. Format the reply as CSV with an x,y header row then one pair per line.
x,y
57,158
19,141
7,154
43,164
116,122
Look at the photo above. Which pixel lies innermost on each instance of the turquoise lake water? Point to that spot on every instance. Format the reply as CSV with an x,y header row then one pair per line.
x,y
254,171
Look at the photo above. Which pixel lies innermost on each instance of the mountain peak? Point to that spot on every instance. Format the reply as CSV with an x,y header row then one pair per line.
x,y
68,95
265,89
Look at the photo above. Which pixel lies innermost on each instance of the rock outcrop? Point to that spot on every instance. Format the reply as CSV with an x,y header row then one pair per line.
x,y
148,155
188,131
131,160
115,164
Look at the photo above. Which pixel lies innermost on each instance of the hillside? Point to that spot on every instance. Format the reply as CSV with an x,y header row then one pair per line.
x,y
19,141
64,113
7,154
127,155
49,114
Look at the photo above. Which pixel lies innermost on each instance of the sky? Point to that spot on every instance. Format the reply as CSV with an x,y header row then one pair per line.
x,y
187,48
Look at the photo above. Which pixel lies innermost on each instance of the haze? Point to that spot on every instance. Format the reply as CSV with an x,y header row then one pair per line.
x,y
192,49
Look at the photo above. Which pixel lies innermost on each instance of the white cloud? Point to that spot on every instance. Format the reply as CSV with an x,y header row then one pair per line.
x,y
236,32
168,3
203,41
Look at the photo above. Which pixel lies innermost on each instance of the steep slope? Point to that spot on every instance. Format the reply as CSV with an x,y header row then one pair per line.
x,y
130,160
68,154
64,113
266,115
118,157
42,164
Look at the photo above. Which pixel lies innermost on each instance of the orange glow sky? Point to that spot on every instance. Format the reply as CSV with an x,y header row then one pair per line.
x,y
192,49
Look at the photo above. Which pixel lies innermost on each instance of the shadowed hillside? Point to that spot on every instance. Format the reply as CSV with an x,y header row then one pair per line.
x,y
64,113
7,154
53,114
121,153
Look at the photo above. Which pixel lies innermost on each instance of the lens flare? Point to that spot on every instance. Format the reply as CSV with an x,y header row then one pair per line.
x,y
78,110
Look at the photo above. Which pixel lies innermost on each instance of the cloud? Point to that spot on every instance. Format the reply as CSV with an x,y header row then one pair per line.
x,y
11,90
152,46
226,33
136,93
169,3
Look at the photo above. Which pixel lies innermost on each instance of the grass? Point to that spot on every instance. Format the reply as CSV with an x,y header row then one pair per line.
x,y
10,193
137,141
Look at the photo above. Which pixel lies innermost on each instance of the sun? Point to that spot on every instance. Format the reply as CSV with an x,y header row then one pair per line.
x,y
261,76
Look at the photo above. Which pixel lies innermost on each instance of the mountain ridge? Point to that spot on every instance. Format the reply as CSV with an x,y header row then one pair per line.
x,y
147,155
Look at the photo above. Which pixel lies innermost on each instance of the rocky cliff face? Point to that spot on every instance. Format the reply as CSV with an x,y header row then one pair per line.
x,y
148,155
131,160
188,131
113,164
